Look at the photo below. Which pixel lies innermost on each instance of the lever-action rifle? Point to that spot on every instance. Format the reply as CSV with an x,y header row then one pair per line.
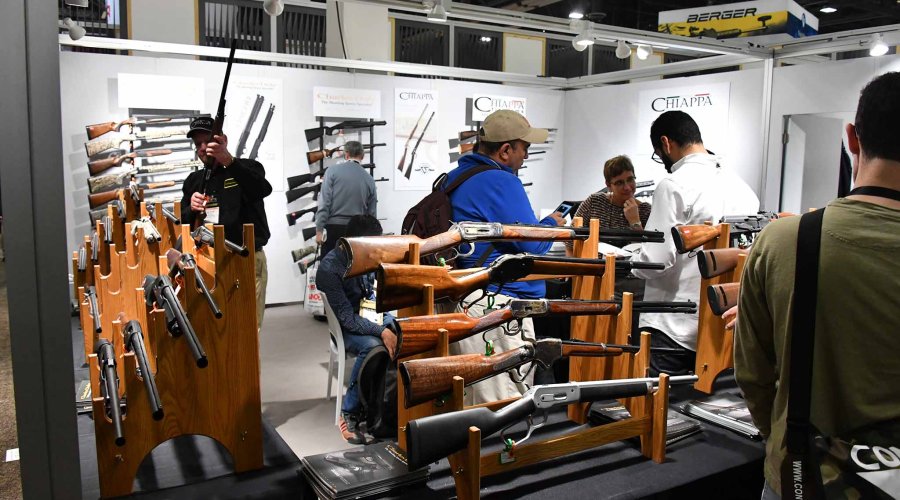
x,y
432,438
178,262
90,293
743,229
401,285
98,199
159,290
115,181
718,261
134,342
409,139
412,158
418,334
254,114
96,130
203,236
113,140
210,163
367,252
723,297
262,133
317,132
120,156
296,194
317,156
109,386
426,379
293,216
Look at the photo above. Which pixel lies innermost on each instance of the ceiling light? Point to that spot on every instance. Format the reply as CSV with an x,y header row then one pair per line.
x,y
623,50
828,10
273,8
576,15
582,41
75,31
438,13
485,39
877,47
644,51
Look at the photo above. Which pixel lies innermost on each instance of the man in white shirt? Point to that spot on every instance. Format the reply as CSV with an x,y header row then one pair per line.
x,y
698,190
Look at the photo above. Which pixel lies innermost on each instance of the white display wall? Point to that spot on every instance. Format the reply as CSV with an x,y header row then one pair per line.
x,y
603,122
89,93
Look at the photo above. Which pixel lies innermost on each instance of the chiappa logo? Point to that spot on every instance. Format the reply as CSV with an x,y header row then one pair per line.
x,y
669,103
416,96
489,104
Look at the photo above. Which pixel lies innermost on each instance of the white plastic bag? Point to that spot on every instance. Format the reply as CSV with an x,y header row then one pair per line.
x,y
313,303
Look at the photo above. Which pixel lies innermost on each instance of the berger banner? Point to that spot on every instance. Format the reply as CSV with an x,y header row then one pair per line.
x,y
707,104
416,148
744,19
483,105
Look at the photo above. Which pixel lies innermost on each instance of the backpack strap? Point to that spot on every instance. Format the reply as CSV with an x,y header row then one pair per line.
x,y
465,176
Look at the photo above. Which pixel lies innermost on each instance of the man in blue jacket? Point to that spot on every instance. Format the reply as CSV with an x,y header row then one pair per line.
x,y
497,195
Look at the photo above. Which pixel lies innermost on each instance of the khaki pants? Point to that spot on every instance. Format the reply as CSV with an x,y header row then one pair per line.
x,y
262,278
502,386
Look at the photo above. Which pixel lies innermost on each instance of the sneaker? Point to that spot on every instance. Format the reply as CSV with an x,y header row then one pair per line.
x,y
350,429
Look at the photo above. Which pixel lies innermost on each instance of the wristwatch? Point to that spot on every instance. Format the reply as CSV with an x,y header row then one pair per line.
x,y
636,225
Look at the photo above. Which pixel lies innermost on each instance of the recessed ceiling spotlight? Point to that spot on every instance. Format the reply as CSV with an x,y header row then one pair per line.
x,y
485,39
828,10
576,15
877,47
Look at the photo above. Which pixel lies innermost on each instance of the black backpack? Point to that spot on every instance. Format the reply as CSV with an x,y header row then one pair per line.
x,y
432,215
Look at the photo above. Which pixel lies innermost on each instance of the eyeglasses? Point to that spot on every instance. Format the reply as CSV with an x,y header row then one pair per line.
x,y
621,182
655,157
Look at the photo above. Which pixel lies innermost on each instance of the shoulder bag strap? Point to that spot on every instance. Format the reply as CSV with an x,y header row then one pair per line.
x,y
465,176
802,340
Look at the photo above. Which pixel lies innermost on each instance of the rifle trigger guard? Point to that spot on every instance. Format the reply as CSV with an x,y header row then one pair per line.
x,y
513,331
519,378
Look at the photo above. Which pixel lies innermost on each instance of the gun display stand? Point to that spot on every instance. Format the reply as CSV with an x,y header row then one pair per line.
x,y
613,329
425,308
715,346
468,466
221,401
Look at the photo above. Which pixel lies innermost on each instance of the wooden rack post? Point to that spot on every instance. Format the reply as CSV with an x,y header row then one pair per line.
x,y
221,401
715,346
468,466
426,308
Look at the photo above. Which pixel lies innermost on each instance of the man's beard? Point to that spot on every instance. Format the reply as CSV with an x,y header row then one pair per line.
x,y
667,162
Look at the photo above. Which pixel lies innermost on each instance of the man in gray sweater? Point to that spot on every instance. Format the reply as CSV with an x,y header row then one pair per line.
x,y
347,190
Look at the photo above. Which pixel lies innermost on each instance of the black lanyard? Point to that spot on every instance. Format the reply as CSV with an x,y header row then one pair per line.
x,y
881,192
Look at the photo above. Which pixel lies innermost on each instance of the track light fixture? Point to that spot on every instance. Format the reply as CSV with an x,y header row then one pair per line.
x,y
583,39
438,12
75,31
877,47
273,8
623,50
644,51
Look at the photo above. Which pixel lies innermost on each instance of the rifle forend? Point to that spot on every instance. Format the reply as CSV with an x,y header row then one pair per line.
x,y
432,438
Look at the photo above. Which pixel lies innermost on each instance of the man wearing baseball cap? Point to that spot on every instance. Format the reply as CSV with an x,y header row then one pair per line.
x,y
234,197
497,195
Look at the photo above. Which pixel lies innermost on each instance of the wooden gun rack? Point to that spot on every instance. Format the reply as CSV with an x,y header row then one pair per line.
x,y
468,466
715,345
222,400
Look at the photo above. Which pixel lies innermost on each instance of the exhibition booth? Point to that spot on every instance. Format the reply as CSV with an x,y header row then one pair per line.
x,y
776,121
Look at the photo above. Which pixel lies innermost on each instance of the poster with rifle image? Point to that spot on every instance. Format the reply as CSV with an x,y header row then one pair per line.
x,y
253,123
416,151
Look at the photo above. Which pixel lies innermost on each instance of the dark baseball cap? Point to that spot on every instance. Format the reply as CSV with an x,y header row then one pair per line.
x,y
203,123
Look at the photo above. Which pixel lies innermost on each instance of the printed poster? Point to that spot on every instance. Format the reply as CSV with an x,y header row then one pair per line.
x,y
416,150
253,123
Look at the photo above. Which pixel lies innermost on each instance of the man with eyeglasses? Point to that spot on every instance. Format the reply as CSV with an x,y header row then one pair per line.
x,y
234,197
697,190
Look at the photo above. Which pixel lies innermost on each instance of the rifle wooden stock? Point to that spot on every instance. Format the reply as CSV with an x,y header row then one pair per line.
x,y
98,199
718,261
401,285
723,297
97,166
426,379
366,253
316,156
466,148
96,130
691,237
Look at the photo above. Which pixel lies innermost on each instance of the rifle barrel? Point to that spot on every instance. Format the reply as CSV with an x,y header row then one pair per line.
x,y
134,342
106,358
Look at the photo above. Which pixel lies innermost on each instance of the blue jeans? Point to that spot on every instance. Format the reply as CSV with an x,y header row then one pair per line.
x,y
768,493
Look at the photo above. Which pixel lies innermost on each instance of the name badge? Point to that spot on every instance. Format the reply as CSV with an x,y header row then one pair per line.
x,y
212,215
367,311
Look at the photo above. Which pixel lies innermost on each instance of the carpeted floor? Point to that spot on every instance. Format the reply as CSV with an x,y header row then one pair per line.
x,y
10,482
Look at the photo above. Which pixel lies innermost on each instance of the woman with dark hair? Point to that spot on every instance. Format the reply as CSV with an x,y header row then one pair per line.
x,y
616,207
